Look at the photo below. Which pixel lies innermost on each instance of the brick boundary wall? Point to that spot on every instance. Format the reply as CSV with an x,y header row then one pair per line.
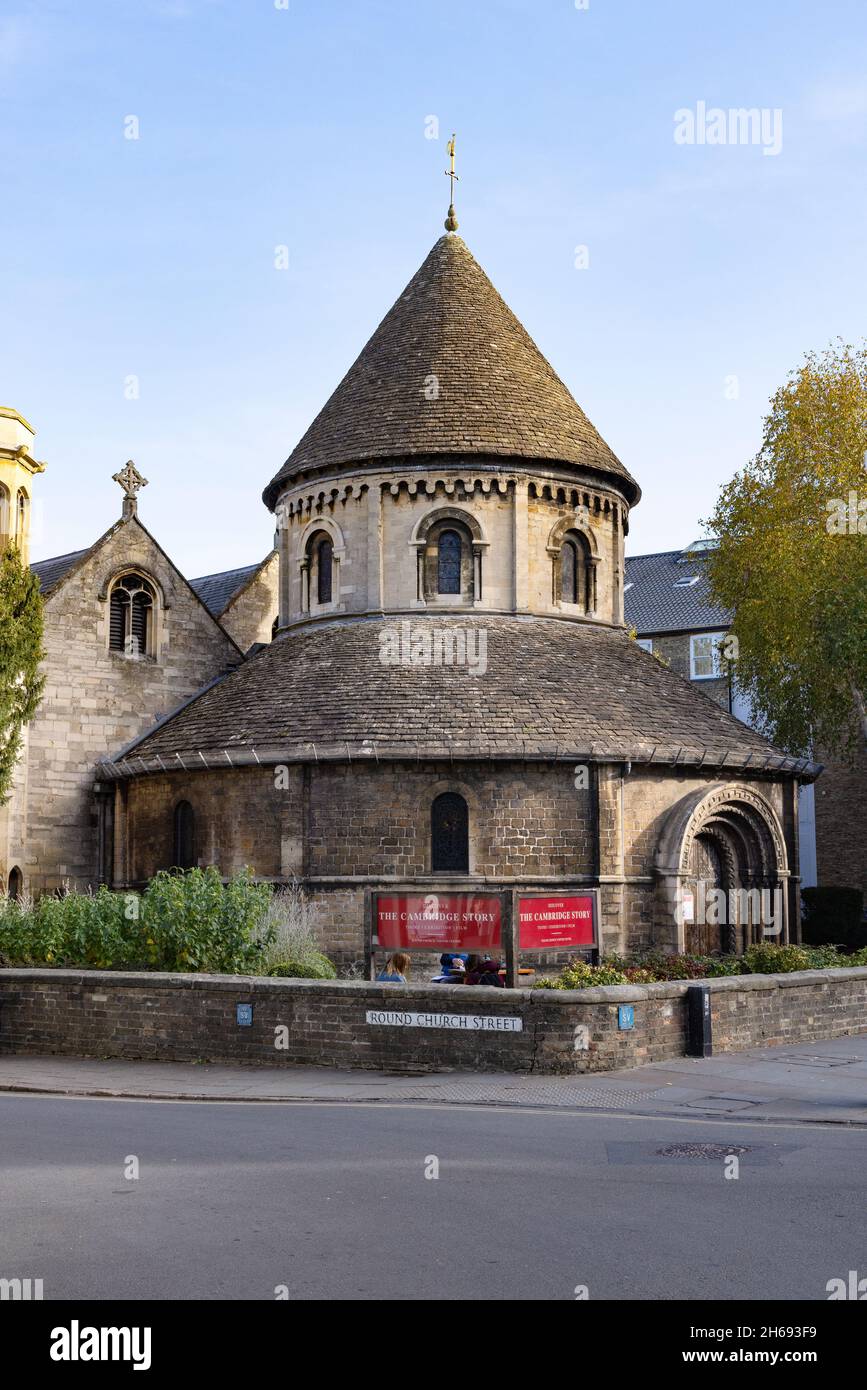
x,y
193,1018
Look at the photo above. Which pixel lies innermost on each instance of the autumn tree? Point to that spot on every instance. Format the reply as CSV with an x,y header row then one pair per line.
x,y
791,562
20,654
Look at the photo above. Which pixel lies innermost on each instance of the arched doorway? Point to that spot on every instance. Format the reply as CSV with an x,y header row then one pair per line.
x,y
722,872
706,875
16,884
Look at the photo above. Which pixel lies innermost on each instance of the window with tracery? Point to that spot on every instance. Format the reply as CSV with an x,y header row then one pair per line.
x,y
131,616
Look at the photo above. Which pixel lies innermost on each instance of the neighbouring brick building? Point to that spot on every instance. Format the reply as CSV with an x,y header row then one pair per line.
x,y
669,605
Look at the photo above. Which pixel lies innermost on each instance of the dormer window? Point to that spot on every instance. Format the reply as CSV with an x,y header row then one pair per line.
x,y
132,617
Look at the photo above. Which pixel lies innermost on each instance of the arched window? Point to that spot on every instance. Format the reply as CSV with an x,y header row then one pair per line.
x,y
131,616
5,530
324,568
16,884
22,516
184,847
449,834
569,572
449,563
576,572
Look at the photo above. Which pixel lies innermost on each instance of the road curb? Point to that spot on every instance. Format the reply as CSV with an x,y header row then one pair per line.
x,y
200,1098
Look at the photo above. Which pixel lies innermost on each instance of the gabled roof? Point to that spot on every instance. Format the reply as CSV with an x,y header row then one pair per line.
x,y
50,572
217,590
450,370
659,599
550,689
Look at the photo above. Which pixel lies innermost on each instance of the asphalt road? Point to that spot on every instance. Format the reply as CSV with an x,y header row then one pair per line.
x,y
331,1201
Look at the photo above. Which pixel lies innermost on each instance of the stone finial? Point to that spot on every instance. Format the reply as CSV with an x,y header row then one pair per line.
x,y
131,481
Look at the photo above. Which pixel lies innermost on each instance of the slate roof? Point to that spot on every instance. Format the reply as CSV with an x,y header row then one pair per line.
x,y
498,396
551,689
217,590
50,572
655,604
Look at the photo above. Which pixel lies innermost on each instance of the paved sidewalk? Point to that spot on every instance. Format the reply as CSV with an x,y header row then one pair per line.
x,y
818,1083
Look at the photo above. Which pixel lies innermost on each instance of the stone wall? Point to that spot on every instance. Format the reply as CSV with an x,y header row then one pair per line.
x,y
193,1017
373,518
363,820
841,815
341,828
96,701
249,617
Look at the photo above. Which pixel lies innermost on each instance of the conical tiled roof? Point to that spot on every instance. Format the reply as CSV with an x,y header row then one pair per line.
x,y
493,394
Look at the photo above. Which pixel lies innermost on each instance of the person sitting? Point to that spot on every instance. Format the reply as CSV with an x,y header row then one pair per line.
x,y
396,970
451,969
484,971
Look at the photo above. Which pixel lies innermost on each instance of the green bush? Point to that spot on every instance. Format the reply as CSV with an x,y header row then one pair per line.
x,y
677,966
193,921
289,946
579,974
766,958
88,929
190,921
718,966
313,966
826,957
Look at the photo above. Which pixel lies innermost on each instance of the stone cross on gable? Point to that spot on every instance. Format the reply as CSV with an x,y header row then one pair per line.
x,y
131,481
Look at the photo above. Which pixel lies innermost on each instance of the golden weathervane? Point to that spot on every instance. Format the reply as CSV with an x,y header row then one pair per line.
x,y
451,222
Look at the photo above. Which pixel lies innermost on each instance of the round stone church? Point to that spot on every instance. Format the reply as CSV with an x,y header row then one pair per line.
x,y
451,703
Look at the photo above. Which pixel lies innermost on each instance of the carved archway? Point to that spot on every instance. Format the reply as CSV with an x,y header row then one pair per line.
x,y
722,872
312,598
425,536
573,532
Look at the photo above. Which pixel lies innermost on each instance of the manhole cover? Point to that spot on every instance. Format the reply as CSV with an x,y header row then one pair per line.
x,y
703,1150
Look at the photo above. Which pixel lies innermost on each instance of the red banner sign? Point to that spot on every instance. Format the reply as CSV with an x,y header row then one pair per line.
x,y
439,921
546,924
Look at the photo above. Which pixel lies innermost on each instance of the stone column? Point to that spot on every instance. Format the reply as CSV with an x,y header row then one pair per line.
x,y
520,546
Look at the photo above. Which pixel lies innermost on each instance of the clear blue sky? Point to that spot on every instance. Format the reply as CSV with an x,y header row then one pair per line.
x,y
306,127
